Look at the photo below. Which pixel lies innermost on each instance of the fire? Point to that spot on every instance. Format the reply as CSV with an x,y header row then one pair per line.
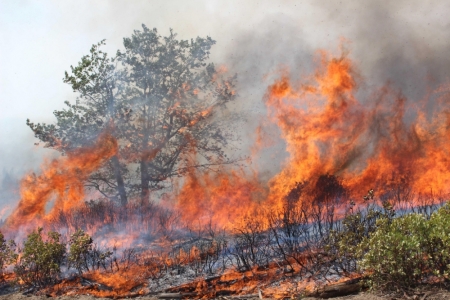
x,y
61,179
324,127
341,138
381,141
314,120
218,198
374,140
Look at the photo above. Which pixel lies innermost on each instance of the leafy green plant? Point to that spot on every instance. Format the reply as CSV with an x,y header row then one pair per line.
x,y
438,242
7,254
343,242
40,262
84,255
396,254
80,251
406,251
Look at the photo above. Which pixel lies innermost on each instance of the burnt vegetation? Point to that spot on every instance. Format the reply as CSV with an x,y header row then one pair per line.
x,y
393,245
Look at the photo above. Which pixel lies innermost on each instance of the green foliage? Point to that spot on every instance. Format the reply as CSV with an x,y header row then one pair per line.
x,y
85,256
396,252
404,252
40,262
93,74
344,241
438,242
173,94
80,249
7,254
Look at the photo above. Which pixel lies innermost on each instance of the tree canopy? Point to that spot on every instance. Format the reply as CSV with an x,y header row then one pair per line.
x,y
160,98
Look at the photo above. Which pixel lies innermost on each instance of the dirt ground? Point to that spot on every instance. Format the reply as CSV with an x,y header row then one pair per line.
x,y
19,296
443,295
439,295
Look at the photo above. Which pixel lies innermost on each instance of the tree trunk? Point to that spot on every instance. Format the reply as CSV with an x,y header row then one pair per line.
x,y
145,189
119,179
115,159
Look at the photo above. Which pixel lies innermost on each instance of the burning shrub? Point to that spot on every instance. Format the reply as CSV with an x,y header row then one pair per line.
x,y
80,248
98,258
328,188
7,254
41,261
290,228
251,245
207,253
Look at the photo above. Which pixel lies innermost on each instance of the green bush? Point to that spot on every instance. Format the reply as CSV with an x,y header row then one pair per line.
x,y
85,256
396,253
40,263
438,242
81,245
7,254
406,251
343,242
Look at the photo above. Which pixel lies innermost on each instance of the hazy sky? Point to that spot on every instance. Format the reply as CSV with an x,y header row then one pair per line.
x,y
406,42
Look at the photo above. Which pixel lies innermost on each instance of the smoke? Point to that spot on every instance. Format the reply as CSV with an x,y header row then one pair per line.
x,y
404,42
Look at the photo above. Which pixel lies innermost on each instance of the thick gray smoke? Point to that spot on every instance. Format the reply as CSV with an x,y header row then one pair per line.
x,y
404,42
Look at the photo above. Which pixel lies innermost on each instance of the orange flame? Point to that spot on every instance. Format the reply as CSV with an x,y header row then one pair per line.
x,y
379,141
218,198
61,178
373,143
367,140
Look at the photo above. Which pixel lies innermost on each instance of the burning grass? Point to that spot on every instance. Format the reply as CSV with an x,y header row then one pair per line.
x,y
301,250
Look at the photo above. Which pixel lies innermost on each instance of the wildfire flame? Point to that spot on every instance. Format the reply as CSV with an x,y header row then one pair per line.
x,y
218,198
380,141
62,178
333,129
373,140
